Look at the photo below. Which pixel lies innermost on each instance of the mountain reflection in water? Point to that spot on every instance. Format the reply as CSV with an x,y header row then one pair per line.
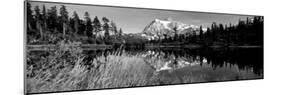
x,y
184,65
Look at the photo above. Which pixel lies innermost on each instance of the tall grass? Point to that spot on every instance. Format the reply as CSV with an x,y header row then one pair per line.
x,y
64,70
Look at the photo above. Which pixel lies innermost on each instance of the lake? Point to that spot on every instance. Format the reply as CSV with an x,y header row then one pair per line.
x,y
126,67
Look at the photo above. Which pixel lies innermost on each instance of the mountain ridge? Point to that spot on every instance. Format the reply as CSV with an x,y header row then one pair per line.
x,y
166,28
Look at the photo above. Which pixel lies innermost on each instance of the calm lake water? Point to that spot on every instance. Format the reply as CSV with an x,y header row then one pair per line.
x,y
186,65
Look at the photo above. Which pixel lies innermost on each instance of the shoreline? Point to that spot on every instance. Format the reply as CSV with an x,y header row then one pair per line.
x,y
103,46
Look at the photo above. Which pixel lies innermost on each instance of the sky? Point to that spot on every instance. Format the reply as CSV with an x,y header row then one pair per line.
x,y
134,20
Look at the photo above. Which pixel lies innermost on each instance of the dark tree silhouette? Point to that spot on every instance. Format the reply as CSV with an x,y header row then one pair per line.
x,y
64,19
120,32
44,18
47,23
248,32
106,28
201,33
88,25
39,22
113,27
96,25
76,20
29,18
52,21
176,34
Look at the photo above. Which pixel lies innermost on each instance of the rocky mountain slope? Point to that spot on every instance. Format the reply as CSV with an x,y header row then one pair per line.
x,y
159,29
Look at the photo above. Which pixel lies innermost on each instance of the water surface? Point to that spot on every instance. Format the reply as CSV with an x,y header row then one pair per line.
x,y
158,66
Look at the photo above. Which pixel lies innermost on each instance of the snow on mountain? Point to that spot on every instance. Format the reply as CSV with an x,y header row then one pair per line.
x,y
159,29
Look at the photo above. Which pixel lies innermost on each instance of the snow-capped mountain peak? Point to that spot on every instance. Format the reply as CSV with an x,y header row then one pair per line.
x,y
158,29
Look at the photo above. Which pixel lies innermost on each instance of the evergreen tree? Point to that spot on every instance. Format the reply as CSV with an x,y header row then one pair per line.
x,y
71,28
220,32
214,31
113,27
120,32
82,27
176,34
88,25
106,28
76,20
38,19
208,36
37,13
29,18
52,18
64,19
44,17
201,33
96,25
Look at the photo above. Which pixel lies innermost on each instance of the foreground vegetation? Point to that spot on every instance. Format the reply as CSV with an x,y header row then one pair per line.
x,y
67,68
